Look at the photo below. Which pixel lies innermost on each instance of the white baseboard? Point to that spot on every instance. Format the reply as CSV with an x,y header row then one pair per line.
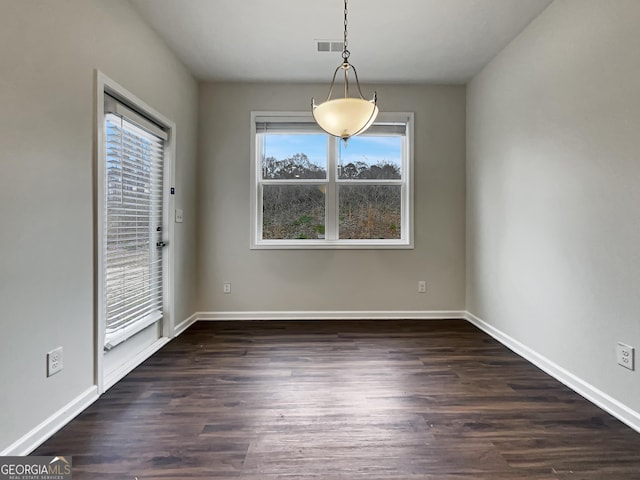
x,y
333,315
182,326
34,438
594,395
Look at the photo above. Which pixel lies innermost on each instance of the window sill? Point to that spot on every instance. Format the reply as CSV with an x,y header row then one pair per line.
x,y
332,245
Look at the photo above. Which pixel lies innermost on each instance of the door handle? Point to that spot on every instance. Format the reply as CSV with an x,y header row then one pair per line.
x,y
161,244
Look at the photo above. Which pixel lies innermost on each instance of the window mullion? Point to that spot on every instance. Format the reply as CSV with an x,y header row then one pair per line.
x,y
331,205
369,182
293,181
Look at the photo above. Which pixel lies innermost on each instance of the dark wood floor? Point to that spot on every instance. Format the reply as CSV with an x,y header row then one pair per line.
x,y
434,400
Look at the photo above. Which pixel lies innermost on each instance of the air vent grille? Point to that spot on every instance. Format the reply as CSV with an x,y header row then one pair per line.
x,y
329,45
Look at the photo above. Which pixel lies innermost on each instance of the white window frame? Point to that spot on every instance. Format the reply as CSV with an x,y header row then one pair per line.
x,y
331,241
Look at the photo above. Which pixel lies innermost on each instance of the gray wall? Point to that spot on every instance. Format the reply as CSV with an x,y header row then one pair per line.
x,y
49,51
329,280
553,175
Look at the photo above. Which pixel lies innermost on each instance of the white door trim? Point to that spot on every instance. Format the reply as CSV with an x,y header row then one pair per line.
x,y
104,84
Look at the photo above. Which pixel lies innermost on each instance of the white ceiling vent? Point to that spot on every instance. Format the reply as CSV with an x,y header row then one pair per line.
x,y
329,45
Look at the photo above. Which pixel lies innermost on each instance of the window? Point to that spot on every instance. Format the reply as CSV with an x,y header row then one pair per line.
x,y
310,190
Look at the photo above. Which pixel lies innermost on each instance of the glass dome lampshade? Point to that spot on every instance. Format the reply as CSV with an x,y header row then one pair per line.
x,y
345,117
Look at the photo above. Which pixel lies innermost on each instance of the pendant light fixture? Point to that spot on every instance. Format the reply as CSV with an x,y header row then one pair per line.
x,y
348,116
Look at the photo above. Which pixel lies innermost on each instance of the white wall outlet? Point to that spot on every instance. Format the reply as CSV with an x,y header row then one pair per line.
x,y
179,215
624,354
54,361
422,286
226,287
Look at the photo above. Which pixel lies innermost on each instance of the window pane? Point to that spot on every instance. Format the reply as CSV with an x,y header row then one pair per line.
x,y
371,157
370,211
294,156
133,217
293,212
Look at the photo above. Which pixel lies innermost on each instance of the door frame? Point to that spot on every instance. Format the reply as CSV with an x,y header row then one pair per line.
x,y
103,85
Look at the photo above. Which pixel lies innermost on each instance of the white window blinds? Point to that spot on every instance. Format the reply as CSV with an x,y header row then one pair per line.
x,y
133,230
299,124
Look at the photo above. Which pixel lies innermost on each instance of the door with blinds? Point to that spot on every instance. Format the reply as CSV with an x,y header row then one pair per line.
x,y
133,240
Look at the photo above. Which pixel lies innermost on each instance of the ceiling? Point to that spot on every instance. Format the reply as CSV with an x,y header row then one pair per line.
x,y
399,41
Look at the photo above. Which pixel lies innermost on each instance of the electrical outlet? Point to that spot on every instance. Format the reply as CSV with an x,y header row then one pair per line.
x,y
179,215
226,287
422,286
54,361
624,354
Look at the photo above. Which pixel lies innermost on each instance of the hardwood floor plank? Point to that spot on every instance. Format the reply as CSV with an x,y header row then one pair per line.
x,y
375,400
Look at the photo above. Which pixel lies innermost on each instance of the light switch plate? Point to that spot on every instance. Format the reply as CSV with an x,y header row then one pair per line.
x,y
179,215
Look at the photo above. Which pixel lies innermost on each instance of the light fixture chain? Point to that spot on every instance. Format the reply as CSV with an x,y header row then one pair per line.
x,y
345,51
